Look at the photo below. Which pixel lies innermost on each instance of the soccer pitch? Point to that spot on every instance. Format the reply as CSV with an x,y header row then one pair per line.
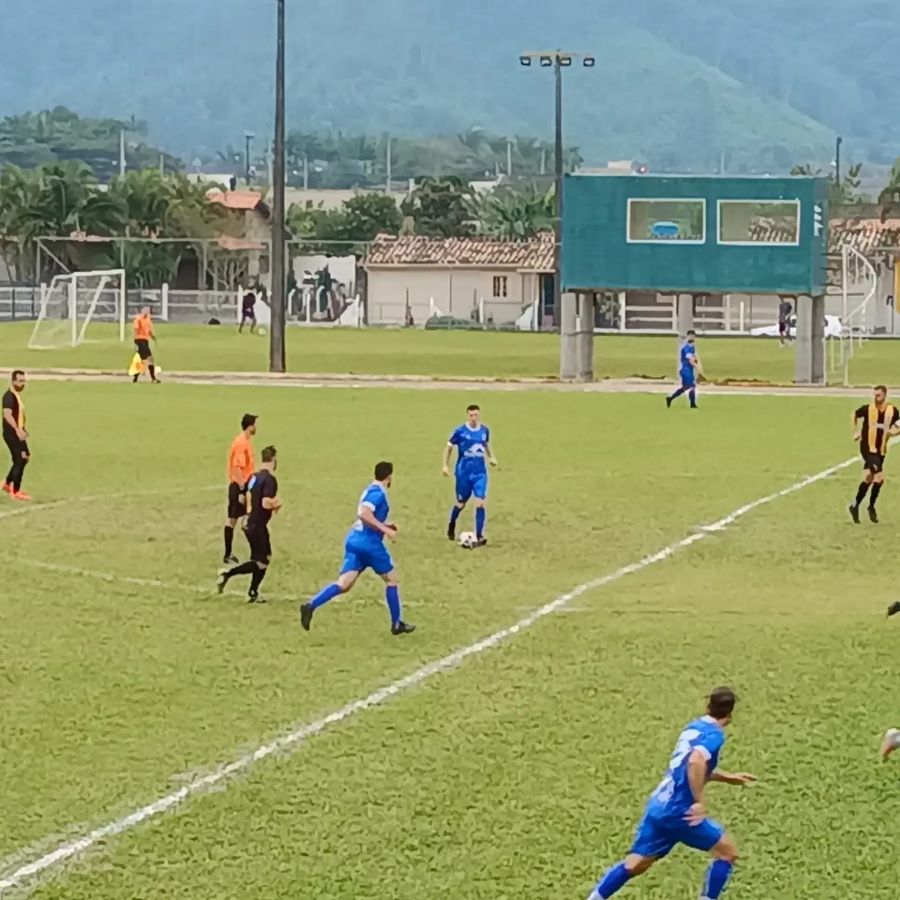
x,y
516,770
439,354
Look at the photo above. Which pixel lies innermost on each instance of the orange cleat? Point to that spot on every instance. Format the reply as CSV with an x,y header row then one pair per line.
x,y
20,496
7,488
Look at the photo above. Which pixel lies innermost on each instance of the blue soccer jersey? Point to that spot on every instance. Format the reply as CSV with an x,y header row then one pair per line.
x,y
673,798
375,498
472,446
688,352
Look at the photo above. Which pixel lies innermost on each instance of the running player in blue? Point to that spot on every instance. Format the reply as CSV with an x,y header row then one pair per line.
x,y
689,367
473,443
364,549
676,811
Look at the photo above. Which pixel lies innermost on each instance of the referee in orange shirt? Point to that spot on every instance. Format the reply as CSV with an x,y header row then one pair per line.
x,y
241,467
143,334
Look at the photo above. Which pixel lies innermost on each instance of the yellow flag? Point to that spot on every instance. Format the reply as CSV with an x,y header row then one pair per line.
x,y
136,366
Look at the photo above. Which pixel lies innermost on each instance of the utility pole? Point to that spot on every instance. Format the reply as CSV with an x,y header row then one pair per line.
x,y
837,160
248,140
122,152
508,158
277,354
389,163
564,308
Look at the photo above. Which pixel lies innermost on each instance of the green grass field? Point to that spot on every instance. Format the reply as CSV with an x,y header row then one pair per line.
x,y
439,353
517,774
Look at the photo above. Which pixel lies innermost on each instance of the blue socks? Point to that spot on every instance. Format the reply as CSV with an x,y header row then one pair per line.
x,y
676,395
326,594
717,876
392,596
480,516
612,881
454,514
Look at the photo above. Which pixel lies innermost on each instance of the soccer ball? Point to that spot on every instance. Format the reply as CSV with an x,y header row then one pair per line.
x,y
467,540
261,331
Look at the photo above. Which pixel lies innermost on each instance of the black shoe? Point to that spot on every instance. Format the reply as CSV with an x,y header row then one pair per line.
x,y
894,608
222,581
854,513
668,402
402,628
253,597
451,531
873,516
230,560
306,614
481,542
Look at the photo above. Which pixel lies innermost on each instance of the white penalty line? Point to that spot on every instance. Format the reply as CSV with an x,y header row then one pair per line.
x,y
112,578
301,733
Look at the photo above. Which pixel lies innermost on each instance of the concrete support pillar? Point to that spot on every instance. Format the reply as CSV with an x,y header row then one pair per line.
x,y
684,321
568,358
584,350
809,347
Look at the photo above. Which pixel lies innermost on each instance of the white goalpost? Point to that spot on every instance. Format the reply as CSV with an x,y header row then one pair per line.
x,y
80,307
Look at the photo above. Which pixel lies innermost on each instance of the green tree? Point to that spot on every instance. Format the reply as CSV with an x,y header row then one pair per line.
x,y
846,193
889,199
514,213
441,207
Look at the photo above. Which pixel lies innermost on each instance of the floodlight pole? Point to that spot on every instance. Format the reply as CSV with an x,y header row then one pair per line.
x,y
277,355
564,306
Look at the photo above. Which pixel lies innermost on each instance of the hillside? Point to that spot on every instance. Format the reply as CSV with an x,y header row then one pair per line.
x,y
680,85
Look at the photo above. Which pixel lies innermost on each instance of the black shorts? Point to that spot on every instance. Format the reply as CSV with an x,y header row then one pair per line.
x,y
248,314
260,544
143,349
237,506
782,328
17,449
873,462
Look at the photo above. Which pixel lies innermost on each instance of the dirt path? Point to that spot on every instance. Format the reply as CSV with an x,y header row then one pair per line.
x,y
422,383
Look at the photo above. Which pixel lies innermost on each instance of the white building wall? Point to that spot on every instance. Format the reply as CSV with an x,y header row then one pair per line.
x,y
454,292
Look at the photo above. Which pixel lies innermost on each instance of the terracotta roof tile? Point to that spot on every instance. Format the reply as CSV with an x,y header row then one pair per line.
x,y
531,254
235,199
864,235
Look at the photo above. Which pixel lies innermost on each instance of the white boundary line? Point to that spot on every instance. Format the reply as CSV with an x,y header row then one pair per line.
x,y
291,740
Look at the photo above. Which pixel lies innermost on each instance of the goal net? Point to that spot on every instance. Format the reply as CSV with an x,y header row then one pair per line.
x,y
80,307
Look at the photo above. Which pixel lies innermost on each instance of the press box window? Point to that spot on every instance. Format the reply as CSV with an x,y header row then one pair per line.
x,y
759,223
661,221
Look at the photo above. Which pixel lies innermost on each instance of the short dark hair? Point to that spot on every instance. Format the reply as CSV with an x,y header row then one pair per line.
x,y
383,470
721,702
269,453
878,387
247,420
17,373
472,407
691,333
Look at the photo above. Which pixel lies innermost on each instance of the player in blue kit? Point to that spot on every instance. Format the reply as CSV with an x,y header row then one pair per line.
x,y
473,444
689,368
364,549
676,812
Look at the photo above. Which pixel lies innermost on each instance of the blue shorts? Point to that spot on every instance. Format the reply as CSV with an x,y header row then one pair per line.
x,y
688,378
469,484
656,836
360,555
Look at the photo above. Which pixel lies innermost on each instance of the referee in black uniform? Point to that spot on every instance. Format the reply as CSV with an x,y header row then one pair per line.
x,y
262,502
15,436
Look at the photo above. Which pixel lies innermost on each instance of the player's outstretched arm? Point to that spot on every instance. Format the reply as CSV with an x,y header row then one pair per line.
x,y
855,418
445,463
736,778
367,515
490,455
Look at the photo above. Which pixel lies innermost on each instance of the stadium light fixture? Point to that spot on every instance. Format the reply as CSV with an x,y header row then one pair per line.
x,y
589,62
546,61
524,60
